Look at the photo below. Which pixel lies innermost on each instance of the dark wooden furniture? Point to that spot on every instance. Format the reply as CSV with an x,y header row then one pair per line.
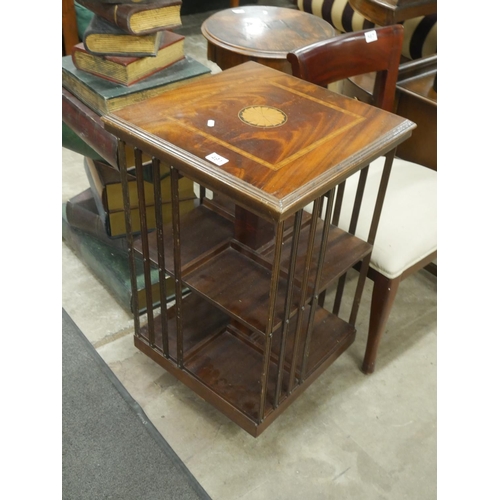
x,y
385,12
346,56
416,99
264,34
250,336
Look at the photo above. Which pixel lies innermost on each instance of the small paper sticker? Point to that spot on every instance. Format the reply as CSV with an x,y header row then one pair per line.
x,y
371,36
210,123
217,159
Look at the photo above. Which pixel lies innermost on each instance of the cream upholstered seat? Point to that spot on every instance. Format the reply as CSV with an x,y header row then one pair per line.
x,y
406,240
407,231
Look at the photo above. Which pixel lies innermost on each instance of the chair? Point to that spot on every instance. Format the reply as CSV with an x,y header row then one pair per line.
x,y
406,240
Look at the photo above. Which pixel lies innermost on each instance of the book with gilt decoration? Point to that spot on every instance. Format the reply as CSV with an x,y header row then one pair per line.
x,y
105,183
104,38
129,70
138,18
103,96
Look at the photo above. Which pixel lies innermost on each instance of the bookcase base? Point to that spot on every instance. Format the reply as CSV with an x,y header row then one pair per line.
x,y
223,360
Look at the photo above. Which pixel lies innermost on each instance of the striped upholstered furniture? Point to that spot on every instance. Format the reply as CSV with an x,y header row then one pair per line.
x,y
420,37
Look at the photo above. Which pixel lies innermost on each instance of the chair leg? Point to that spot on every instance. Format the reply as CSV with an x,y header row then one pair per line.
x,y
383,295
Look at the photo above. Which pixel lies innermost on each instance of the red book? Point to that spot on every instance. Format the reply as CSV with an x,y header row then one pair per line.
x,y
129,70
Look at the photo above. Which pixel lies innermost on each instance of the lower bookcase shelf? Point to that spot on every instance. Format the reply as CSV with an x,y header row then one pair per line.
x,y
223,360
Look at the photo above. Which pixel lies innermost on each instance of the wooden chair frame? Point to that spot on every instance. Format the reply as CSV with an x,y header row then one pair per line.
x,y
339,58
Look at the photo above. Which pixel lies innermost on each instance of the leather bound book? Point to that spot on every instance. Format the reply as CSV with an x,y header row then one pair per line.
x,y
129,70
104,38
72,141
88,126
138,18
82,214
89,130
111,266
105,184
103,96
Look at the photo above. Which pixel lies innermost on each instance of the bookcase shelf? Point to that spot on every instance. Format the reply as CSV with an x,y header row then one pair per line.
x,y
227,360
237,281
202,231
208,250
342,252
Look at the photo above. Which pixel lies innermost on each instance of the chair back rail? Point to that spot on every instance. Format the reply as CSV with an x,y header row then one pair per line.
x,y
351,54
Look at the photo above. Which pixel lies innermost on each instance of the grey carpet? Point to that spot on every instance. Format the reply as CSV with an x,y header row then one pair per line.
x,y
110,449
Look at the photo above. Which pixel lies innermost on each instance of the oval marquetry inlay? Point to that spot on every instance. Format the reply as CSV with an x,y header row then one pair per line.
x,y
262,116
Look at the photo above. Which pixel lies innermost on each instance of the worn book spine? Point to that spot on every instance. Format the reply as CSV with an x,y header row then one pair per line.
x,y
72,141
138,19
105,183
88,126
102,37
111,267
100,177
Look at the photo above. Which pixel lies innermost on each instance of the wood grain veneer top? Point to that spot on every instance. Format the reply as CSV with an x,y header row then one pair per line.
x,y
265,31
286,141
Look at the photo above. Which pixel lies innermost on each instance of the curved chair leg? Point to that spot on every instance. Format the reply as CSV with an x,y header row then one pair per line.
x,y
383,295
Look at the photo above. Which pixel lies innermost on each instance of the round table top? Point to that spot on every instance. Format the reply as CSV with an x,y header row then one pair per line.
x,y
265,31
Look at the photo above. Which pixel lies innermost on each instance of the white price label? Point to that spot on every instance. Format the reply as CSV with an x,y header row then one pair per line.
x,y
371,36
217,159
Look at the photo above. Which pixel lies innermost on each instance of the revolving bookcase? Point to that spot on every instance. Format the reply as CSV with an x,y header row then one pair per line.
x,y
251,333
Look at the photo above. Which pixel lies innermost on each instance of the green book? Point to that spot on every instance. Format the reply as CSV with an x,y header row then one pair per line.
x,y
110,265
73,142
103,96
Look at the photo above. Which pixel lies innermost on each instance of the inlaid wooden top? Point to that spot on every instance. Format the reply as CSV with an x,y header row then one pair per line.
x,y
385,12
270,141
269,32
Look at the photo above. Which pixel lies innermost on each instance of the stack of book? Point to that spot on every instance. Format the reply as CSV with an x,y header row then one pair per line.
x,y
129,52
93,225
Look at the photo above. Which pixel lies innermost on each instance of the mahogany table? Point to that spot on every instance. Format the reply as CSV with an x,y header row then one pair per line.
x,y
261,34
251,336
